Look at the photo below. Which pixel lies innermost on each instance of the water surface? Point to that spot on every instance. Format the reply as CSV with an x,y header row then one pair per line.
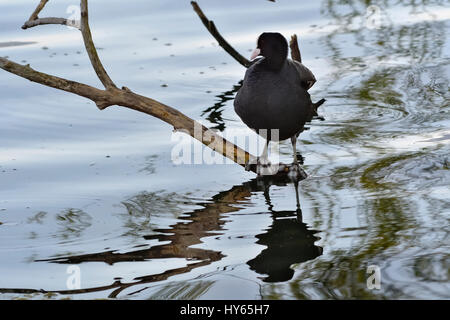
x,y
98,190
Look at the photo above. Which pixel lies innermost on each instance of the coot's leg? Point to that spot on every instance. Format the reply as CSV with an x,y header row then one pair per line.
x,y
265,154
299,211
263,163
294,147
295,171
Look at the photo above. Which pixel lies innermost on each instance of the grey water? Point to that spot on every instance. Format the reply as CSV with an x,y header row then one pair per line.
x,y
99,192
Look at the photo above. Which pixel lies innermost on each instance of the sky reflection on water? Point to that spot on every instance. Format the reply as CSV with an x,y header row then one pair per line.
x,y
99,190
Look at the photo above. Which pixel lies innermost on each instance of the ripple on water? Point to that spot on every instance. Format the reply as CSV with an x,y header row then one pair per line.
x,y
417,275
410,171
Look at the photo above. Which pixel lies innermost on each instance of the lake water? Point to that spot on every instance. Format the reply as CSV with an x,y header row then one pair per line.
x,y
96,193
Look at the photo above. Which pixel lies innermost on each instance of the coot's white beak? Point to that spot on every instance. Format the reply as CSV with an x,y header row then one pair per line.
x,y
255,53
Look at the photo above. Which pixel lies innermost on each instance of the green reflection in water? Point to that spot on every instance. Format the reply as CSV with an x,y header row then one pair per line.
x,y
395,86
72,223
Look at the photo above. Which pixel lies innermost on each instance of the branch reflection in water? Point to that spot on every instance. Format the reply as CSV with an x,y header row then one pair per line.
x,y
288,241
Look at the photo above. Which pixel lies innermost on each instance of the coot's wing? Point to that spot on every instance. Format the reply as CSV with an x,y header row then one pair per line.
x,y
306,77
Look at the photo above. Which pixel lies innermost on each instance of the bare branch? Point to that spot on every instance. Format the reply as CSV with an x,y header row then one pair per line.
x,y
90,48
31,22
129,99
222,42
87,37
295,51
34,20
126,98
38,9
25,71
43,21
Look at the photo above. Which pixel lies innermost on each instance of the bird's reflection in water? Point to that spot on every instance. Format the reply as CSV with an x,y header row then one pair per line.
x,y
214,113
288,241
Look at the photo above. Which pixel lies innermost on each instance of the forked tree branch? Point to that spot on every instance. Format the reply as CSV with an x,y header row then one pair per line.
x,y
34,20
125,97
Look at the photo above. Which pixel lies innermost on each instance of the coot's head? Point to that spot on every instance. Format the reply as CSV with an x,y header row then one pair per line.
x,y
274,47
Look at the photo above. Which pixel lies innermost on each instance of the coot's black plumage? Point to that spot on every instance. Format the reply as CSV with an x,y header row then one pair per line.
x,y
274,91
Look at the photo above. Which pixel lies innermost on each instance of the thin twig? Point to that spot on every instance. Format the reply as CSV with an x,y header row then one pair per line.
x,y
90,48
34,20
293,44
87,37
43,21
215,33
38,9
295,51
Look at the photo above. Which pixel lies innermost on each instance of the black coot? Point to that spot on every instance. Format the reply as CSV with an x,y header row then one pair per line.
x,y
274,92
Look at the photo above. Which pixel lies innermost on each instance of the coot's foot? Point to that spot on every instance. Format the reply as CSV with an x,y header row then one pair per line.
x,y
248,166
296,173
265,168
